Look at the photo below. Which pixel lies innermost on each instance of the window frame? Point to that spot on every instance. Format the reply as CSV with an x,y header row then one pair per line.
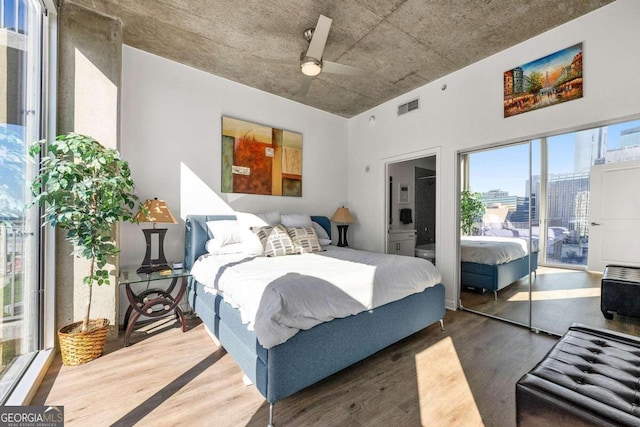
x,y
35,367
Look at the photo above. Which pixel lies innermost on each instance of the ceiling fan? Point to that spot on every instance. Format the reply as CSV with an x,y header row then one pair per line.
x,y
311,62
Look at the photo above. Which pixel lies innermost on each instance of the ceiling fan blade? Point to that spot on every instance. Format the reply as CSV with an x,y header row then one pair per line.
x,y
319,39
335,68
304,86
274,60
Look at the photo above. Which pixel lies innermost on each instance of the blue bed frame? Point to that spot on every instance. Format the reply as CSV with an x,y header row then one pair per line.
x,y
495,277
310,355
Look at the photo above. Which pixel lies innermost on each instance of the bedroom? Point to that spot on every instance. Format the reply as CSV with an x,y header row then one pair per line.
x,y
169,107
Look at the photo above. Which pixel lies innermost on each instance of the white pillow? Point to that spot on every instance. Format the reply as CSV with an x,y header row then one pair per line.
x,y
249,239
324,242
248,220
320,231
271,218
214,248
296,220
323,236
224,232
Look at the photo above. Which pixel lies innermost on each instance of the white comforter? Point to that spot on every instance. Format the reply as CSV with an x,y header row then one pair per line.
x,y
279,296
493,250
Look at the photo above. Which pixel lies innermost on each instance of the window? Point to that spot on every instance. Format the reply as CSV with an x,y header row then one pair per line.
x,y
21,113
570,157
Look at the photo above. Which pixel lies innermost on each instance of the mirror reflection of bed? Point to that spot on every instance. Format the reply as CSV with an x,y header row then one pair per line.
x,y
547,287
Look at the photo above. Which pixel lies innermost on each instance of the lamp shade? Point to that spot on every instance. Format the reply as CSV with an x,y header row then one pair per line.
x,y
157,211
342,216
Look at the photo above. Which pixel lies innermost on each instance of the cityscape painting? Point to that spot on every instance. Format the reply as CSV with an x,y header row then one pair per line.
x,y
258,159
546,81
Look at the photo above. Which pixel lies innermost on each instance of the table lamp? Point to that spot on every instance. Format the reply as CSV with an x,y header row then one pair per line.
x,y
343,218
156,211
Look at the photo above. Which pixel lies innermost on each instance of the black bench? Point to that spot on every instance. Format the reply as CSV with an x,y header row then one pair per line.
x,y
620,291
591,377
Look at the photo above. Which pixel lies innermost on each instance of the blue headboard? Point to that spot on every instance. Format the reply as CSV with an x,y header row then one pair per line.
x,y
197,233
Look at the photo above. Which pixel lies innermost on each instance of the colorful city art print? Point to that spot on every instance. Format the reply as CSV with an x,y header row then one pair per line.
x,y
258,159
546,81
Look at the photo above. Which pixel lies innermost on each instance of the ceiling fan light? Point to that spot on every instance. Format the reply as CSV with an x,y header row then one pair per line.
x,y
310,67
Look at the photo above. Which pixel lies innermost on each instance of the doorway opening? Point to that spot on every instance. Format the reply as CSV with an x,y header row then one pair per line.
x,y
411,207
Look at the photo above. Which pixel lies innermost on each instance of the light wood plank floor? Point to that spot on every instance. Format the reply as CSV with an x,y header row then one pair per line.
x,y
464,376
559,298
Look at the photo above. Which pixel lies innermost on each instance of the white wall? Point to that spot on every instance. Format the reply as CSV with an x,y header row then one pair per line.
x,y
171,137
469,114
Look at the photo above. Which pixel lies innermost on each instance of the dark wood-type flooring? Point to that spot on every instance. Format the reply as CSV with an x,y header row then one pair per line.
x,y
464,376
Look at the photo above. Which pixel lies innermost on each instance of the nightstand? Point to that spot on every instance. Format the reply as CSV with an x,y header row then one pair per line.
x,y
151,301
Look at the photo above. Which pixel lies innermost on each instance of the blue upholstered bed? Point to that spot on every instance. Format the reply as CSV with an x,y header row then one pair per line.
x,y
498,276
313,354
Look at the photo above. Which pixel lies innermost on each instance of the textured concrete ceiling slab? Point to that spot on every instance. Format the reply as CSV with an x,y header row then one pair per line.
x,y
404,44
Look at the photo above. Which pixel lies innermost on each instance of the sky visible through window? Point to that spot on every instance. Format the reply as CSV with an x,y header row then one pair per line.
x,y
507,169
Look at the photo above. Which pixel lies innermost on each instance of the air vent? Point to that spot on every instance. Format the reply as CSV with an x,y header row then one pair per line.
x,y
409,106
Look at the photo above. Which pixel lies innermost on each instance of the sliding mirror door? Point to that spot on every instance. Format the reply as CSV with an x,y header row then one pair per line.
x,y
565,200
498,231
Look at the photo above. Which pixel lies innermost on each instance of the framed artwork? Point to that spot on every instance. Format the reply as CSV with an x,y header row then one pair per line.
x,y
403,194
259,159
544,82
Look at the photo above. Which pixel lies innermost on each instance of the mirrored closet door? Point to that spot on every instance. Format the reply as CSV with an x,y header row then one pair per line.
x,y
547,207
498,242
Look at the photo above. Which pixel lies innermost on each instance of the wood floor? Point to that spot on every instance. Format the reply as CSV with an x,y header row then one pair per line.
x,y
464,376
559,298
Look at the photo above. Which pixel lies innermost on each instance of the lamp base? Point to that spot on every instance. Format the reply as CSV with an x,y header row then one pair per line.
x,y
342,235
148,269
151,265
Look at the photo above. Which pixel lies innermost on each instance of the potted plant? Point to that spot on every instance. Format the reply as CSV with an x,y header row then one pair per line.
x,y
85,189
471,211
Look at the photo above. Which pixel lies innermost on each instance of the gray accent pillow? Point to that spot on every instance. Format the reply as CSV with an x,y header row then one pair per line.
x,y
304,239
275,240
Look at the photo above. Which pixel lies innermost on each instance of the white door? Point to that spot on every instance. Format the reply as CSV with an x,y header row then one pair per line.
x,y
614,215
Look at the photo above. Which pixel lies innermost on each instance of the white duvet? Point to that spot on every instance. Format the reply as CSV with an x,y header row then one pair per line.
x,y
493,250
278,296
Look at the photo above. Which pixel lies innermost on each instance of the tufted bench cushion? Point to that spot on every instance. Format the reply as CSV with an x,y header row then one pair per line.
x,y
591,377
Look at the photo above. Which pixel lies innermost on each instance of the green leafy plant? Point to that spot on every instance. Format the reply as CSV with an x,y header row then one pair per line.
x,y
85,189
471,211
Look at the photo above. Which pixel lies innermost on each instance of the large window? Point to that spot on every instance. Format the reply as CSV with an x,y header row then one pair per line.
x,y
570,158
21,112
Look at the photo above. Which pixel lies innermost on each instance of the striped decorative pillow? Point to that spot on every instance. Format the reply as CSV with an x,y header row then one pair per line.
x,y
275,240
304,239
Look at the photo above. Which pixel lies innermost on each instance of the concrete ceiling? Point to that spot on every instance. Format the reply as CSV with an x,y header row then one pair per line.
x,y
404,43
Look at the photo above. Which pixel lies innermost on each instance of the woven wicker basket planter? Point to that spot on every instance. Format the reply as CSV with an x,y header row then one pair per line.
x,y
82,347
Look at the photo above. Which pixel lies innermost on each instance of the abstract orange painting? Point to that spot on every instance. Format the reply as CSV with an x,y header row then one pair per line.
x,y
258,159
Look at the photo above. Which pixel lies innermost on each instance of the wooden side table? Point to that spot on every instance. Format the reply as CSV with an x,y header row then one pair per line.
x,y
152,301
